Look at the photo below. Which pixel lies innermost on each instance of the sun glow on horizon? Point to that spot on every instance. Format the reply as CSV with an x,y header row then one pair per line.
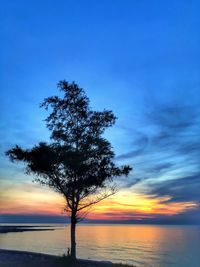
x,y
127,206
33,199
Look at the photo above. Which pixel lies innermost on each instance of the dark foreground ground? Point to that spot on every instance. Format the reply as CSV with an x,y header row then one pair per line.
x,y
12,258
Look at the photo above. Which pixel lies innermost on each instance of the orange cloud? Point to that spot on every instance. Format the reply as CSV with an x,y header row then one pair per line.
x,y
28,198
126,205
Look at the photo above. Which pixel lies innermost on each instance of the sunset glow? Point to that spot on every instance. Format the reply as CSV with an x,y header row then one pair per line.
x,y
138,59
32,199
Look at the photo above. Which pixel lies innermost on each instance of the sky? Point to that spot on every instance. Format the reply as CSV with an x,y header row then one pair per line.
x,y
140,59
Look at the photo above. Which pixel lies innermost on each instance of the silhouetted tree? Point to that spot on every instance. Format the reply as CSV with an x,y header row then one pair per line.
x,y
78,163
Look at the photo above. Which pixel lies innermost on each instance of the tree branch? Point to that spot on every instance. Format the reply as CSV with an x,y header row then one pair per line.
x,y
97,200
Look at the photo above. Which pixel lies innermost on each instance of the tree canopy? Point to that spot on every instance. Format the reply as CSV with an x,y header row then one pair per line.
x,y
78,162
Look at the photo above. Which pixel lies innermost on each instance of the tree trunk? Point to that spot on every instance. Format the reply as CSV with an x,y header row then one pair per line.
x,y
73,235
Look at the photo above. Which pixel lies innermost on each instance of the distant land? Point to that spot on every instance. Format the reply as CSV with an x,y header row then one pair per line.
x,y
9,229
173,220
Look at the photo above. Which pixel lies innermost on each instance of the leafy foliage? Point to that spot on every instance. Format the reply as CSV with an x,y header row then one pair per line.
x,y
79,162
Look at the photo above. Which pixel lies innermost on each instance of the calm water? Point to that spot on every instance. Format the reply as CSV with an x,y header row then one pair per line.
x,y
140,245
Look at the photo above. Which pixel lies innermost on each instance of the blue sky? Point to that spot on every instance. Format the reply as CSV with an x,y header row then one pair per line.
x,y
140,59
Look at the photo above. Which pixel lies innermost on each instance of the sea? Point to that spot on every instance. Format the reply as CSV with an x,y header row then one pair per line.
x,y
138,245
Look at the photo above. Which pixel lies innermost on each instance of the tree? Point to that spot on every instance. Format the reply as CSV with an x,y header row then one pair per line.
x,y
78,162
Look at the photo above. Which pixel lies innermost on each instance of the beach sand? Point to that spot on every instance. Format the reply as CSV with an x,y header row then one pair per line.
x,y
13,258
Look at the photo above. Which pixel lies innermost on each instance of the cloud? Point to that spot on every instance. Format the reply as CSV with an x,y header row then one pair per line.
x,y
166,159
172,118
167,133
180,190
139,146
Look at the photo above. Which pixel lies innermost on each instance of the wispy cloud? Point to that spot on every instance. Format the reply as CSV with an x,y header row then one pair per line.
x,y
166,159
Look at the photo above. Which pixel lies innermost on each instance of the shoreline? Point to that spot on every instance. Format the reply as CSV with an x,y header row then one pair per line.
x,y
17,258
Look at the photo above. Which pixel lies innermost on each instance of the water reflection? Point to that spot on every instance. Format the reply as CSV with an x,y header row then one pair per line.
x,y
140,245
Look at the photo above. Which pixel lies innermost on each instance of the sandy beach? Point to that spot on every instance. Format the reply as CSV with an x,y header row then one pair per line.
x,y
13,258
